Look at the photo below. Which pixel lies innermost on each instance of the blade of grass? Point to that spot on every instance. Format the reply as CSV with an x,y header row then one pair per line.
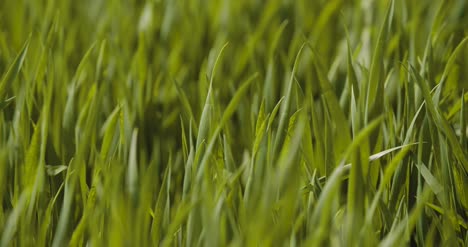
x,y
13,70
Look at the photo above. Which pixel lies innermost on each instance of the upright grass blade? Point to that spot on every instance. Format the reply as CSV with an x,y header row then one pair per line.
x,y
159,209
185,103
227,114
375,85
352,79
284,112
13,220
324,209
451,61
343,138
69,115
439,120
396,237
204,119
62,226
132,172
12,73
108,132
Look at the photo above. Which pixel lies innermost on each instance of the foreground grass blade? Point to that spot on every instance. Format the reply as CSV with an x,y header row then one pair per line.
x,y
375,85
440,121
12,73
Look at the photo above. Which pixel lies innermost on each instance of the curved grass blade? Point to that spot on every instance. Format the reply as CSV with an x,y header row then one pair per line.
x,y
226,115
204,119
375,84
13,70
441,123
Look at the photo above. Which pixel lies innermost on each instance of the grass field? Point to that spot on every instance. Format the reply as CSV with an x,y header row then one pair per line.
x,y
233,123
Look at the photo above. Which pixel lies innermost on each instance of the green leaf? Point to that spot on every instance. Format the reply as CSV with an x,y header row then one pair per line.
x,y
13,70
375,85
226,115
441,123
159,209
132,172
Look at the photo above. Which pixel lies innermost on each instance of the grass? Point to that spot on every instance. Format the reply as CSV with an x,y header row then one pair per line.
x,y
233,123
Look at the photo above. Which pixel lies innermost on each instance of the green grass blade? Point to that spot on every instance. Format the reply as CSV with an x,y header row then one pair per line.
x,y
13,71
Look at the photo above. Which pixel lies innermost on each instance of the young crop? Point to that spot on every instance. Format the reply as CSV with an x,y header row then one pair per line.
x,y
233,123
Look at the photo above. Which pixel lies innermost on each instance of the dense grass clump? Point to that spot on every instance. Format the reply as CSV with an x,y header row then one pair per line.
x,y
233,123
